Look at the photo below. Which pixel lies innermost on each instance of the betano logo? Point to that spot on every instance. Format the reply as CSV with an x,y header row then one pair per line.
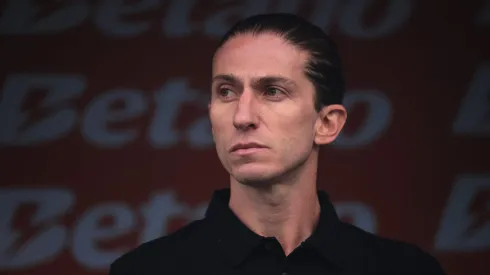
x,y
37,225
58,114
465,224
117,18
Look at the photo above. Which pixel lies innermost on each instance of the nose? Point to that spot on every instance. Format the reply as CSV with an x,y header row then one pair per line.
x,y
246,116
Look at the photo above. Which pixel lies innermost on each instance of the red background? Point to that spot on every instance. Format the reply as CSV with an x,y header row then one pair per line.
x,y
423,66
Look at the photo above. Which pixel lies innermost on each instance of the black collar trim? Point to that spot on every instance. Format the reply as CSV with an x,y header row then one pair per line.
x,y
236,241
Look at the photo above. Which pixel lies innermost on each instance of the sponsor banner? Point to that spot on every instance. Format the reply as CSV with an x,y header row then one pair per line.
x,y
105,141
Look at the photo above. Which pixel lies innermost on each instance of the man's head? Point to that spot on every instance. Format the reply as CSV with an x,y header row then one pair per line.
x,y
277,84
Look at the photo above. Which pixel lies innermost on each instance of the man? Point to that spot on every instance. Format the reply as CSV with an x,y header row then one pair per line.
x,y
277,89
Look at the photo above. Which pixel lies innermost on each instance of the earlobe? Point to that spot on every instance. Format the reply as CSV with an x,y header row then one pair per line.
x,y
330,122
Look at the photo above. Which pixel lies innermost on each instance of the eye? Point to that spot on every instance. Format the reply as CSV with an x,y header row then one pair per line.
x,y
273,92
225,93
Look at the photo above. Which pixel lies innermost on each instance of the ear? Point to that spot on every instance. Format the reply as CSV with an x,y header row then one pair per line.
x,y
331,120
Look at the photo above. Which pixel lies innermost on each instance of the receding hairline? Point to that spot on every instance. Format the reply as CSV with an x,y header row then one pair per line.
x,y
269,77
258,32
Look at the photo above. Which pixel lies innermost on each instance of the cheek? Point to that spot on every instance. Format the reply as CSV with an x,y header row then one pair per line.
x,y
220,125
297,122
298,132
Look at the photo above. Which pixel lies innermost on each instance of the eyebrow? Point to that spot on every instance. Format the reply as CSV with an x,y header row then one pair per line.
x,y
226,77
265,80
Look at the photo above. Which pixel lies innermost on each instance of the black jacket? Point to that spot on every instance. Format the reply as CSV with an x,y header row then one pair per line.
x,y
220,244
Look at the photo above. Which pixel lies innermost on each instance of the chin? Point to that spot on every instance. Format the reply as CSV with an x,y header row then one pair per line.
x,y
255,174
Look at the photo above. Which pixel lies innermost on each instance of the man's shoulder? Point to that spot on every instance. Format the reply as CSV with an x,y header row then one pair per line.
x,y
391,255
163,252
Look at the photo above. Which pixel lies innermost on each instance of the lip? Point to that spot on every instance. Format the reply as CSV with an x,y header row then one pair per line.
x,y
246,148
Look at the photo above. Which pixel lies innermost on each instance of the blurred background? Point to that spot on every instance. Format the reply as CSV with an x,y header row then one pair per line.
x,y
105,141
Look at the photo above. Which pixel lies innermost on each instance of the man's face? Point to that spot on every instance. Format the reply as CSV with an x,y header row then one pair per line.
x,y
261,100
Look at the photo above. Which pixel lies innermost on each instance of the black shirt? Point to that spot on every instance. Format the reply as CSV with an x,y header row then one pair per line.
x,y
220,244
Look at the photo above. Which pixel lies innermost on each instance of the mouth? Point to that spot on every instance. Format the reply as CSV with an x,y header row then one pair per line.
x,y
247,148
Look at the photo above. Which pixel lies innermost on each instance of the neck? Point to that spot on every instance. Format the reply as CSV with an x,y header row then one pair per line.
x,y
287,211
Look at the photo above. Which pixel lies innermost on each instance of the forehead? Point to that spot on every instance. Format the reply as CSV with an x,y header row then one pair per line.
x,y
248,55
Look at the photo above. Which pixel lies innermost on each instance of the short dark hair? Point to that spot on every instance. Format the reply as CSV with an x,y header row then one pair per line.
x,y
324,68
